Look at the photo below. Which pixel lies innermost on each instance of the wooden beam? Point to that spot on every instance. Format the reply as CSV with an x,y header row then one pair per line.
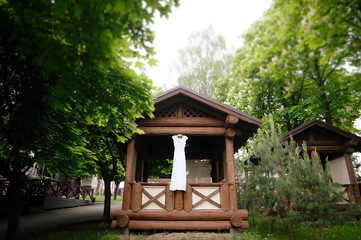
x,y
236,220
199,131
181,122
121,221
231,121
196,215
327,149
351,143
178,225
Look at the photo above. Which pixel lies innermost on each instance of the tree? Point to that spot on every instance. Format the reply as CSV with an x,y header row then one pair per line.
x,y
65,65
109,159
202,61
267,187
315,194
283,178
280,71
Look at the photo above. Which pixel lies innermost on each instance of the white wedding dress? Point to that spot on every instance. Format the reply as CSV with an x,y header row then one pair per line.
x,y
179,177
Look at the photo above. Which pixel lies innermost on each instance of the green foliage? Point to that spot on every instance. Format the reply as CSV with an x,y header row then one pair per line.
x,y
286,185
160,168
291,67
315,194
203,61
65,65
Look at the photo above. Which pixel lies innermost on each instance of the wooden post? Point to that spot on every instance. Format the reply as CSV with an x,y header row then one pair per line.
x,y
136,203
188,199
128,174
352,176
233,197
169,199
220,167
145,169
178,205
139,166
127,196
224,197
231,178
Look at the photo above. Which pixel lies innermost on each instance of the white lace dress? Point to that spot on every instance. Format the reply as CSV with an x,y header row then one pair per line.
x,y
179,177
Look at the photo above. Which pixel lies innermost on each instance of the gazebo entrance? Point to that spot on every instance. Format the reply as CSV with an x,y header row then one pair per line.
x,y
215,131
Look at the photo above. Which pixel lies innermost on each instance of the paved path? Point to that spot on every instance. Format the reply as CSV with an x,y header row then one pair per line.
x,y
43,220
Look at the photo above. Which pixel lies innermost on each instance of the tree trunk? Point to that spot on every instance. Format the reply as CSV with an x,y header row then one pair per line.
x,y
15,204
116,190
107,194
292,231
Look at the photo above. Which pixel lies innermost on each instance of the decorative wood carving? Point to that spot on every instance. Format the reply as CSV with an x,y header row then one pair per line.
x,y
169,112
191,112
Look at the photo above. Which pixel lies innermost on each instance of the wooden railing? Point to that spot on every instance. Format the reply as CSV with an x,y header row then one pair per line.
x,y
197,196
62,189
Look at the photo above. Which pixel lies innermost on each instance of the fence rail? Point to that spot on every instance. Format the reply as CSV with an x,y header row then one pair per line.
x,y
47,187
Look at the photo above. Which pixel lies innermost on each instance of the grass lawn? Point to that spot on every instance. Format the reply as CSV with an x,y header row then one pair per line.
x,y
100,198
350,230
91,230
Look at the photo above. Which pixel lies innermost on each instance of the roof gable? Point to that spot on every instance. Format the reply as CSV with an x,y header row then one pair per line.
x,y
202,103
317,132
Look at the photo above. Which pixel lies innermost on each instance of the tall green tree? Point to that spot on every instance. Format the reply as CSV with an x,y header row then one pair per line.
x,y
281,70
65,65
203,61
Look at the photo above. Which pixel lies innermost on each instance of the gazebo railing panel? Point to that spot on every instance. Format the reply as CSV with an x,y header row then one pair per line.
x,y
198,196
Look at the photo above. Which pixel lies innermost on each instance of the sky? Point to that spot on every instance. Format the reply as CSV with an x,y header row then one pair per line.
x,y
229,18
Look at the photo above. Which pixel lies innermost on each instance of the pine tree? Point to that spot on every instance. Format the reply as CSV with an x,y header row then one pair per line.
x,y
266,188
315,195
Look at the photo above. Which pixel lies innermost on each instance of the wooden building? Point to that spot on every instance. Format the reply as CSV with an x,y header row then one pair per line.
x,y
215,132
335,145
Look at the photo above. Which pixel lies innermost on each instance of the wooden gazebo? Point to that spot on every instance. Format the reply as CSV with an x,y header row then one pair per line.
x,y
335,145
215,132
